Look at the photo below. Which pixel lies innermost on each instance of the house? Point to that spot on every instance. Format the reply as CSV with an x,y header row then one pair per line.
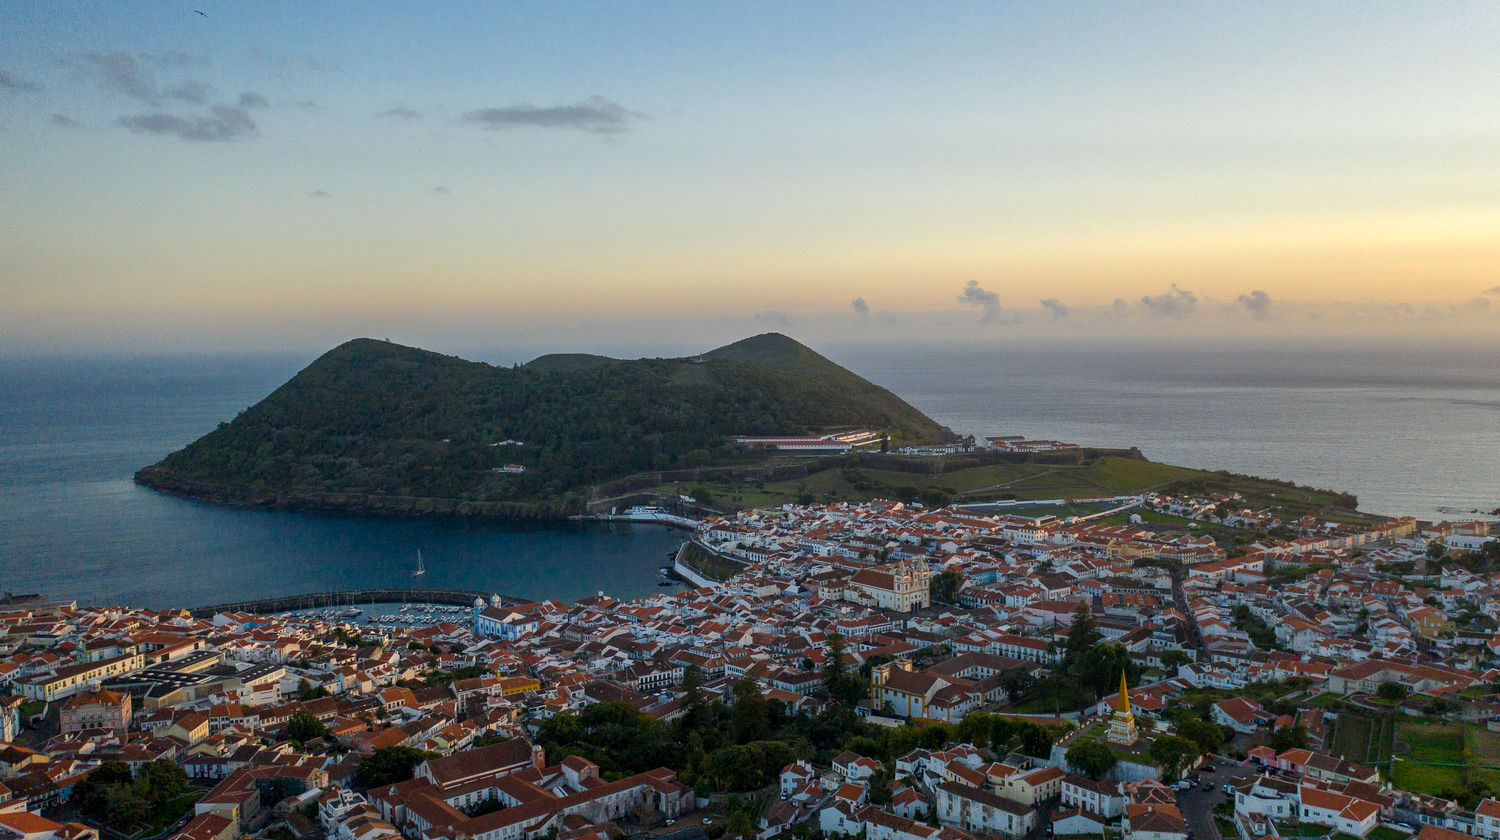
x,y
1075,821
1153,821
980,811
795,775
1239,714
1103,798
1487,819
1337,811
1033,787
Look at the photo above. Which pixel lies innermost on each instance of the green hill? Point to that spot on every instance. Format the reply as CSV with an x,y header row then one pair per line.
x,y
568,362
375,426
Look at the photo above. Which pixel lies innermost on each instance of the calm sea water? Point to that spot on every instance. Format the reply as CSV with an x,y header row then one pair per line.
x,y
1409,431
72,523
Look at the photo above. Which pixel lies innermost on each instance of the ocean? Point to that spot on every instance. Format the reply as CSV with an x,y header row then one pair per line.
x,y
1410,431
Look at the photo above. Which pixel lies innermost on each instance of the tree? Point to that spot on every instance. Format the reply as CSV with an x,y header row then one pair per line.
x,y
1436,549
1099,668
934,498
1091,758
975,729
841,685
388,765
1172,753
1289,737
749,714
1207,736
1082,635
1393,691
160,780
1174,658
692,697
304,727
1017,682
943,587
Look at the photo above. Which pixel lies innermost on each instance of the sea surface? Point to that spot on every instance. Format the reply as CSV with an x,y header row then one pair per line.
x,y
1414,430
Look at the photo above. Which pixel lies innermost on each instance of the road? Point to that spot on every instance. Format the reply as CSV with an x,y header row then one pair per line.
x,y
1179,600
1197,805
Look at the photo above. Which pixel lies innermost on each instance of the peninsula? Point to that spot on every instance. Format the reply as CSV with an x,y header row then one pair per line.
x,y
376,427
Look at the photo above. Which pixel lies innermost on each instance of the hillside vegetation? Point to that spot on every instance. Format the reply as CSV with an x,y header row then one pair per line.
x,y
371,419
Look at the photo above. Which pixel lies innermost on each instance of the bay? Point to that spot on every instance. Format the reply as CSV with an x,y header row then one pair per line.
x,y
1413,430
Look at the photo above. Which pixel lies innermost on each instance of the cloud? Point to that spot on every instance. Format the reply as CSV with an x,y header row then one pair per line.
x,y
1257,303
860,308
1120,309
596,115
224,123
320,194
441,191
1174,303
1056,308
171,58
251,99
62,120
282,64
975,295
10,84
191,92
1479,303
1491,291
117,72
309,106
773,316
400,112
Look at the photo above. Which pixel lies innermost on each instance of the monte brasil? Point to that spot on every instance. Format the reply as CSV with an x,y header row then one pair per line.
x,y
377,428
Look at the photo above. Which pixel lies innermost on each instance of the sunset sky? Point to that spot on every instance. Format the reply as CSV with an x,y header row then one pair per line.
x,y
291,174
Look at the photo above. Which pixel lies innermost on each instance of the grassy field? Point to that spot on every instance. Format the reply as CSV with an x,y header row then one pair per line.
x,y
1442,744
1364,738
1482,747
1108,475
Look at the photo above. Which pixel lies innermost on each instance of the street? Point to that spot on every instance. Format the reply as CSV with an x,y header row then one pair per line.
x,y
1197,805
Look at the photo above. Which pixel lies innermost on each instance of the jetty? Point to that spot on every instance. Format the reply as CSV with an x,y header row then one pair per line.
x,y
352,597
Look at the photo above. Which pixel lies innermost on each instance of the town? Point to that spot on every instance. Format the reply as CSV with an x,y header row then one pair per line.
x,y
878,670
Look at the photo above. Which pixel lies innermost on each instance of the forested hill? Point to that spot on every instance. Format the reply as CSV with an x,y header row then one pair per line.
x,y
375,419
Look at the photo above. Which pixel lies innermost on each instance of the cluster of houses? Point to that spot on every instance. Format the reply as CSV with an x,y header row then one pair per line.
x,y
941,605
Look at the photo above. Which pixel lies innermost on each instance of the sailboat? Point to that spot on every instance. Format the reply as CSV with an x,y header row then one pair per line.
x,y
421,569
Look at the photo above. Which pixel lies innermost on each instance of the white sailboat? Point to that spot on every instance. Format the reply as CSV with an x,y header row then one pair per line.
x,y
421,569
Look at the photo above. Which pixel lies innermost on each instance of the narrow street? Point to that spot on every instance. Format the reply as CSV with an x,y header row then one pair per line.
x,y
1198,805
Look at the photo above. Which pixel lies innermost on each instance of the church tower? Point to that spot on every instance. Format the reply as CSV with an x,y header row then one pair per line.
x,y
1122,723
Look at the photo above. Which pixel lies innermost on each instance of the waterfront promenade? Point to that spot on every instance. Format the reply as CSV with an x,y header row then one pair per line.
x,y
353,597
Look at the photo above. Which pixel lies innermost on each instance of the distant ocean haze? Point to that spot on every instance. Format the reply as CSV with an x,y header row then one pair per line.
x,y
1408,432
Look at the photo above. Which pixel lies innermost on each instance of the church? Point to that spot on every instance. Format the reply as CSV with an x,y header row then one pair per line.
x,y
901,587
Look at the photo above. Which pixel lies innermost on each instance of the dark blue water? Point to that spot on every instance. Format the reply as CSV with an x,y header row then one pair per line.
x,y
72,523
1409,429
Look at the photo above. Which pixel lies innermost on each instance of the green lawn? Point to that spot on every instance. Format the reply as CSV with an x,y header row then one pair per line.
x,y
1441,744
1363,737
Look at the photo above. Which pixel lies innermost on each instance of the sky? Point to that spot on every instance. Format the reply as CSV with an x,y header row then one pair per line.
x,y
206,175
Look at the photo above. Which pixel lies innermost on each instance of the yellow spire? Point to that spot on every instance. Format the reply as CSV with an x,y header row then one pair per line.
x,y
1122,702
